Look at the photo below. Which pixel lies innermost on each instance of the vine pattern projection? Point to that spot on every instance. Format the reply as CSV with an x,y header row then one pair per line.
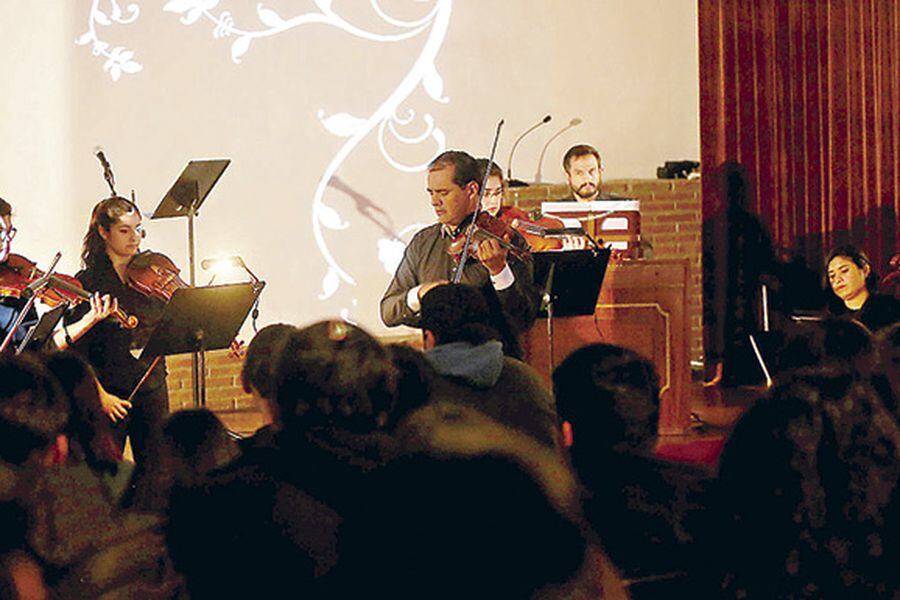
x,y
387,119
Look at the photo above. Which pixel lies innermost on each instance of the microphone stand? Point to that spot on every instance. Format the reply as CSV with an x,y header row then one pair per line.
x,y
573,123
509,178
466,250
547,304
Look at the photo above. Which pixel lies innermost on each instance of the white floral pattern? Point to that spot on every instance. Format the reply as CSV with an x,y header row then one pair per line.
x,y
119,59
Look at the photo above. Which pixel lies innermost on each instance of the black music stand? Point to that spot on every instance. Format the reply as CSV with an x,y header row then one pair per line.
x,y
38,336
571,282
184,199
200,319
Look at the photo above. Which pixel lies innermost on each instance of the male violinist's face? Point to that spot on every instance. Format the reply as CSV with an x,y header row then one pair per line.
x,y
584,177
123,239
451,203
493,195
6,235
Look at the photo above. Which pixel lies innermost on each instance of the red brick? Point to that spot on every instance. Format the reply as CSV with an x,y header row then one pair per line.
x,y
245,402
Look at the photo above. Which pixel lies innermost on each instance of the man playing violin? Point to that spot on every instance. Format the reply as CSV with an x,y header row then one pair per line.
x,y
453,187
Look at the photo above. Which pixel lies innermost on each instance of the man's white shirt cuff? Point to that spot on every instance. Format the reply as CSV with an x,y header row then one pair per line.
x,y
412,299
503,279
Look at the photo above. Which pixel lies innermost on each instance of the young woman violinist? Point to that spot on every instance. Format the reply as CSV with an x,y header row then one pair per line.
x,y
852,281
112,239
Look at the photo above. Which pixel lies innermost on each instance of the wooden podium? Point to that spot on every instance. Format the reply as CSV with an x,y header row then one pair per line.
x,y
642,306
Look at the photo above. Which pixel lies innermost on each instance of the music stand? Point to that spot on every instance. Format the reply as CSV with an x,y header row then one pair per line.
x,y
42,331
571,285
200,319
184,199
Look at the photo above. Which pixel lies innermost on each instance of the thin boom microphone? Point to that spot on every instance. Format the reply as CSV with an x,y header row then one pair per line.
x,y
512,151
538,176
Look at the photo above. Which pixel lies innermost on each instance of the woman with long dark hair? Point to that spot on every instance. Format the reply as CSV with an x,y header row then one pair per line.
x,y
112,239
852,282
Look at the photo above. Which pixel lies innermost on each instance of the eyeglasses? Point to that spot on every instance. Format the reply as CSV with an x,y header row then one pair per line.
x,y
495,193
8,234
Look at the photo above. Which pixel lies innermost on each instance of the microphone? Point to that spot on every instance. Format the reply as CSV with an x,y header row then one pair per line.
x,y
573,123
107,170
509,180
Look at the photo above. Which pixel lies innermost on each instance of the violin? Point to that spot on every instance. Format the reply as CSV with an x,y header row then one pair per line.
x,y
17,273
487,227
154,275
533,228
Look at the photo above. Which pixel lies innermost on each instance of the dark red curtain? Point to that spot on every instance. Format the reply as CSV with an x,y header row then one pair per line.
x,y
805,96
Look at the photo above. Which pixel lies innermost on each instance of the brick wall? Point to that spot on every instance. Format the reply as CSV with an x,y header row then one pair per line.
x,y
224,395
671,221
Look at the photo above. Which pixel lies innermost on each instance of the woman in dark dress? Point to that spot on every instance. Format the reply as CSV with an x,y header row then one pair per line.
x,y
853,285
113,238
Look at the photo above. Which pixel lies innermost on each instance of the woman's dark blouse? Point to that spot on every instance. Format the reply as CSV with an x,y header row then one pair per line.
x,y
879,311
107,345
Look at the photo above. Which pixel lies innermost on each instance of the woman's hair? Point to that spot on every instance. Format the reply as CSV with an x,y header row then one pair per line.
x,y
859,258
105,214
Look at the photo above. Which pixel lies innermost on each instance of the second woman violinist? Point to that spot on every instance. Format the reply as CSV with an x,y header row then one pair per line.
x,y
494,192
113,237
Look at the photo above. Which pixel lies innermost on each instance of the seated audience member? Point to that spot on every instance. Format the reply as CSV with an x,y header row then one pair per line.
x,y
194,443
808,494
258,379
85,545
270,520
414,384
465,350
88,431
887,379
845,344
648,512
198,443
852,281
470,508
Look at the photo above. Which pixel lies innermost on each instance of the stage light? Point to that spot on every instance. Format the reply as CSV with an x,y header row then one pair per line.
x,y
224,264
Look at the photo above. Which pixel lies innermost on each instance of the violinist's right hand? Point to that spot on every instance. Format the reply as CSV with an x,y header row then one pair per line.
x,y
114,407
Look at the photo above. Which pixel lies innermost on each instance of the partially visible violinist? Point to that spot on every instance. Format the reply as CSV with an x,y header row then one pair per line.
x,y
113,237
453,188
10,307
12,282
530,225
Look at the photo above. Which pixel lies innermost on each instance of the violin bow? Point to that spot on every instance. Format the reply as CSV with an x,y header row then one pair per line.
x,y
466,249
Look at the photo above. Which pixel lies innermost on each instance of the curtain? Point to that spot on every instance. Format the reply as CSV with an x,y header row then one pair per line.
x,y
805,96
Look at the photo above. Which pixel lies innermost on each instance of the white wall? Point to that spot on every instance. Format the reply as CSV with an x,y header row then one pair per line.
x,y
629,69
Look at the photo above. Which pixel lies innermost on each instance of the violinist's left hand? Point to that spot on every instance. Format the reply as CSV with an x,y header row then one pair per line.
x,y
492,255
